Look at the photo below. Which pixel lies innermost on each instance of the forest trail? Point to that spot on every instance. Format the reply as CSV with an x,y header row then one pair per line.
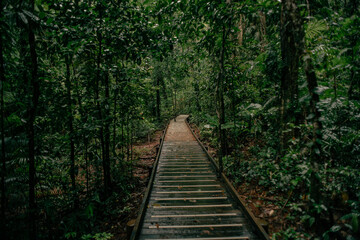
x,y
187,201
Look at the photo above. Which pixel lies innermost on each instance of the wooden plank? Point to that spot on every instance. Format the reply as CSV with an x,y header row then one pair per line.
x,y
195,232
181,168
189,198
195,215
206,238
199,226
195,221
194,210
186,186
171,172
175,192
181,181
188,176
196,206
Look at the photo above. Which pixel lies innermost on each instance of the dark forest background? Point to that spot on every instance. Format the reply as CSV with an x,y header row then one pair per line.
x,y
273,86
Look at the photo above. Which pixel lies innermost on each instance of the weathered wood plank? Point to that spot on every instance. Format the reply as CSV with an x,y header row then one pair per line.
x,y
187,200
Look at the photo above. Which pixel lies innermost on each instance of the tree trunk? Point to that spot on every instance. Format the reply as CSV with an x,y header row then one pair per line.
x,y
33,103
315,154
116,92
71,131
128,137
263,33
3,149
197,95
106,160
86,165
220,100
99,108
240,35
317,127
175,107
291,50
85,140
122,138
158,99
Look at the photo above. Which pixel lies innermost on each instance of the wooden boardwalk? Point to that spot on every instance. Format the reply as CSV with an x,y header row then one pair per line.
x,y
187,200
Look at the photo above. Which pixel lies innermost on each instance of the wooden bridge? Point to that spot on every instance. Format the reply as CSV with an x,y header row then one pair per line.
x,y
186,200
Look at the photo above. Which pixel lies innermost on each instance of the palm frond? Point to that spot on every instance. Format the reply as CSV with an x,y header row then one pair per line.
x,y
315,28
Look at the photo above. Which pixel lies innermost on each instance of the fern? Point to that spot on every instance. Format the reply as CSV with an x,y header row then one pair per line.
x,y
321,49
315,28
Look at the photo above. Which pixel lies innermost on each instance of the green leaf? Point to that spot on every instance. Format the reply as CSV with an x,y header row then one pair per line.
x,y
317,151
315,28
294,182
355,223
311,221
41,15
49,20
70,235
335,228
23,18
31,15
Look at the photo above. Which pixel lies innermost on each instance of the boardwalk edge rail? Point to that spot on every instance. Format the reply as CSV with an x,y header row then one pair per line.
x,y
249,215
136,231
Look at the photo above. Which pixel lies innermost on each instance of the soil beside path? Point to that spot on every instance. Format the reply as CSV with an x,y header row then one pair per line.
x,y
145,153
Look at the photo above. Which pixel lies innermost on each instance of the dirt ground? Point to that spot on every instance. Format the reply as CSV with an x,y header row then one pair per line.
x,y
145,152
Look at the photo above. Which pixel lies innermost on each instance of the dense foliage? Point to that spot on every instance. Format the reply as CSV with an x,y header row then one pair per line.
x,y
273,85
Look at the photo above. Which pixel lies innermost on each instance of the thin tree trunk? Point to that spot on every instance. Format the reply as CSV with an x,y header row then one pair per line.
x,y
291,50
335,86
351,87
131,144
197,94
35,93
71,132
308,8
128,138
175,107
85,140
122,139
86,165
158,99
116,92
317,127
352,9
3,148
106,160
240,36
220,100
315,154
233,110
263,30
100,117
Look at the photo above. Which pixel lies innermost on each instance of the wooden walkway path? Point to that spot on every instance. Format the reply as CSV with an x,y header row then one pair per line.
x,y
186,200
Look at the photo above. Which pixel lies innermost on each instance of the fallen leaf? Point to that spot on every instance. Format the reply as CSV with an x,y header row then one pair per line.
x,y
207,232
271,212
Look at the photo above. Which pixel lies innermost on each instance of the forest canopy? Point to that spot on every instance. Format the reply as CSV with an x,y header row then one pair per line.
x,y
272,86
